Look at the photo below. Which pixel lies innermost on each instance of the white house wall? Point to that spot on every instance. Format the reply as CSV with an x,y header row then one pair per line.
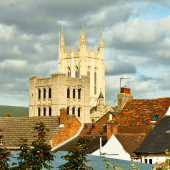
x,y
113,149
168,112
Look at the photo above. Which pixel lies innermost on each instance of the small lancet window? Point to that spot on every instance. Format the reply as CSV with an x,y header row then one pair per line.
x,y
73,111
49,93
74,93
39,94
50,111
39,112
68,93
44,111
79,93
69,72
67,110
44,93
79,109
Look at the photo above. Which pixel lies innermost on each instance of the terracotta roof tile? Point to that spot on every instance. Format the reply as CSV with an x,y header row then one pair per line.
x,y
142,111
94,129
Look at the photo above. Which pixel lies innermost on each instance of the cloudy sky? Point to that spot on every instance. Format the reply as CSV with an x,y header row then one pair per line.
x,y
136,35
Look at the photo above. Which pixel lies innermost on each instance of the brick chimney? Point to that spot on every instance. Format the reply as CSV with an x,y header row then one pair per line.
x,y
63,117
111,129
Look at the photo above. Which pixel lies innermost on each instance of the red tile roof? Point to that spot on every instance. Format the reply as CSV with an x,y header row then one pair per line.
x,y
94,129
142,111
130,142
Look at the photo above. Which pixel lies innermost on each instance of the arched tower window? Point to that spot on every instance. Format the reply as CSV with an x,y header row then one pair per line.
x,y
74,93
69,72
44,93
44,111
39,94
67,110
88,71
49,93
79,110
79,93
68,92
95,81
39,112
73,111
49,111
77,73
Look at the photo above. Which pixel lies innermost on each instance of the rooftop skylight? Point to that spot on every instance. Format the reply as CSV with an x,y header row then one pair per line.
x,y
154,118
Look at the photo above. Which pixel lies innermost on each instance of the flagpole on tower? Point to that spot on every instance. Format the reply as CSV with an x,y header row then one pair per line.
x,y
59,50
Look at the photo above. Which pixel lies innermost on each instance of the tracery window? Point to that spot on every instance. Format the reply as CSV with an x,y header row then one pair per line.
x,y
95,82
77,73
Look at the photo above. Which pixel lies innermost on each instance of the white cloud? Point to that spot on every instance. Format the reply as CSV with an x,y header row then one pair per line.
x,y
13,63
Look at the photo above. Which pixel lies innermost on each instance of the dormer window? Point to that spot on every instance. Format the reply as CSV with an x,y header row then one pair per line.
x,y
154,119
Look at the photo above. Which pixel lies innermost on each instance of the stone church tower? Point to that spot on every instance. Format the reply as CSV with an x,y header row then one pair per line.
x,y
84,62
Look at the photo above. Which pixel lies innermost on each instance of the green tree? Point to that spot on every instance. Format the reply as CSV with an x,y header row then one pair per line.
x,y
76,158
38,155
4,156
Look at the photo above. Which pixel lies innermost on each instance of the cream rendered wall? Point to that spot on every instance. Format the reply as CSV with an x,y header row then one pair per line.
x,y
113,149
83,59
59,83
155,158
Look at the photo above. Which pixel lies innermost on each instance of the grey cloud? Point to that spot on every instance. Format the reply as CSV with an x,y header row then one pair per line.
x,y
118,68
39,22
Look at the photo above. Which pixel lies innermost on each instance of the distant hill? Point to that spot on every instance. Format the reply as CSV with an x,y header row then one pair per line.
x,y
14,111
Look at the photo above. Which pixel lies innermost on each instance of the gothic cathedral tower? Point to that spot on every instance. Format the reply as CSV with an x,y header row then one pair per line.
x,y
84,62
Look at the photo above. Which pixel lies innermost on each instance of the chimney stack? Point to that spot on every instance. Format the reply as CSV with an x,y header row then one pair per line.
x,y
63,117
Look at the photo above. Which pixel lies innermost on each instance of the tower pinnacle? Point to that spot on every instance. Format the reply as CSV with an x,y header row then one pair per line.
x,y
83,36
101,40
79,41
62,46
